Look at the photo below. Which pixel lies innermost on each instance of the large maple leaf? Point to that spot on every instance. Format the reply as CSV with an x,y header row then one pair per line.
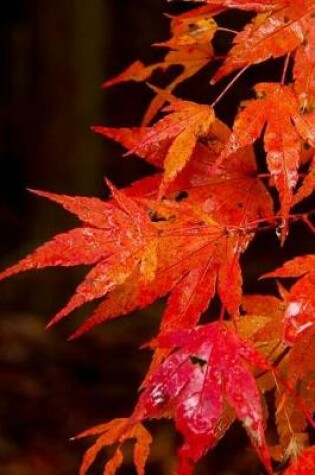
x,y
118,237
192,250
208,364
286,128
183,124
206,251
143,250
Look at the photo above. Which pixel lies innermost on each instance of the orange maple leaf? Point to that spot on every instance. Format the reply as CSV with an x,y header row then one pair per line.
x,y
207,364
117,431
286,129
281,28
103,241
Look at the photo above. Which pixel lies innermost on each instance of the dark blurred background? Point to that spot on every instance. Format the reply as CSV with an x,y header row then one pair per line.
x,y
54,57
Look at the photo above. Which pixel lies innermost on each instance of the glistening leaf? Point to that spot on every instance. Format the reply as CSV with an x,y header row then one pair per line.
x,y
233,194
207,364
286,128
102,241
117,431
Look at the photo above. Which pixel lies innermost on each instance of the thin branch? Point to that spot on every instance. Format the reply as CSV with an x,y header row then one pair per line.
x,y
231,83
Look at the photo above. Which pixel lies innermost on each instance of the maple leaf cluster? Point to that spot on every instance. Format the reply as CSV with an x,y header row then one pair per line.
x,y
181,232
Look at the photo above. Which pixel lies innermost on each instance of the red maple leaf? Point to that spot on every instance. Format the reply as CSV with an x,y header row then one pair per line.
x,y
281,28
184,123
192,250
233,194
190,48
305,465
207,365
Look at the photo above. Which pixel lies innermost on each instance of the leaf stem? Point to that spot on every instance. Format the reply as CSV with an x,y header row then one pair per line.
x,y
227,30
285,68
253,228
230,84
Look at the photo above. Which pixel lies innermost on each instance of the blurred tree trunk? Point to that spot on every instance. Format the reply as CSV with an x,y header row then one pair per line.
x,y
66,69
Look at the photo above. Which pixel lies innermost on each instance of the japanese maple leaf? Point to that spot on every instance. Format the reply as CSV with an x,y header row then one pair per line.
x,y
189,47
210,260
142,251
286,128
183,123
208,364
305,464
193,250
172,138
281,28
232,194
299,315
117,431
118,237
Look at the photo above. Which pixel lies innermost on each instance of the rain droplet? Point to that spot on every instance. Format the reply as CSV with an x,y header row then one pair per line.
x,y
158,397
279,229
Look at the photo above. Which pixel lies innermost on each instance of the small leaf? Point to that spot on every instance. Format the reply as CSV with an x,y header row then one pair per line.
x,y
117,431
285,131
